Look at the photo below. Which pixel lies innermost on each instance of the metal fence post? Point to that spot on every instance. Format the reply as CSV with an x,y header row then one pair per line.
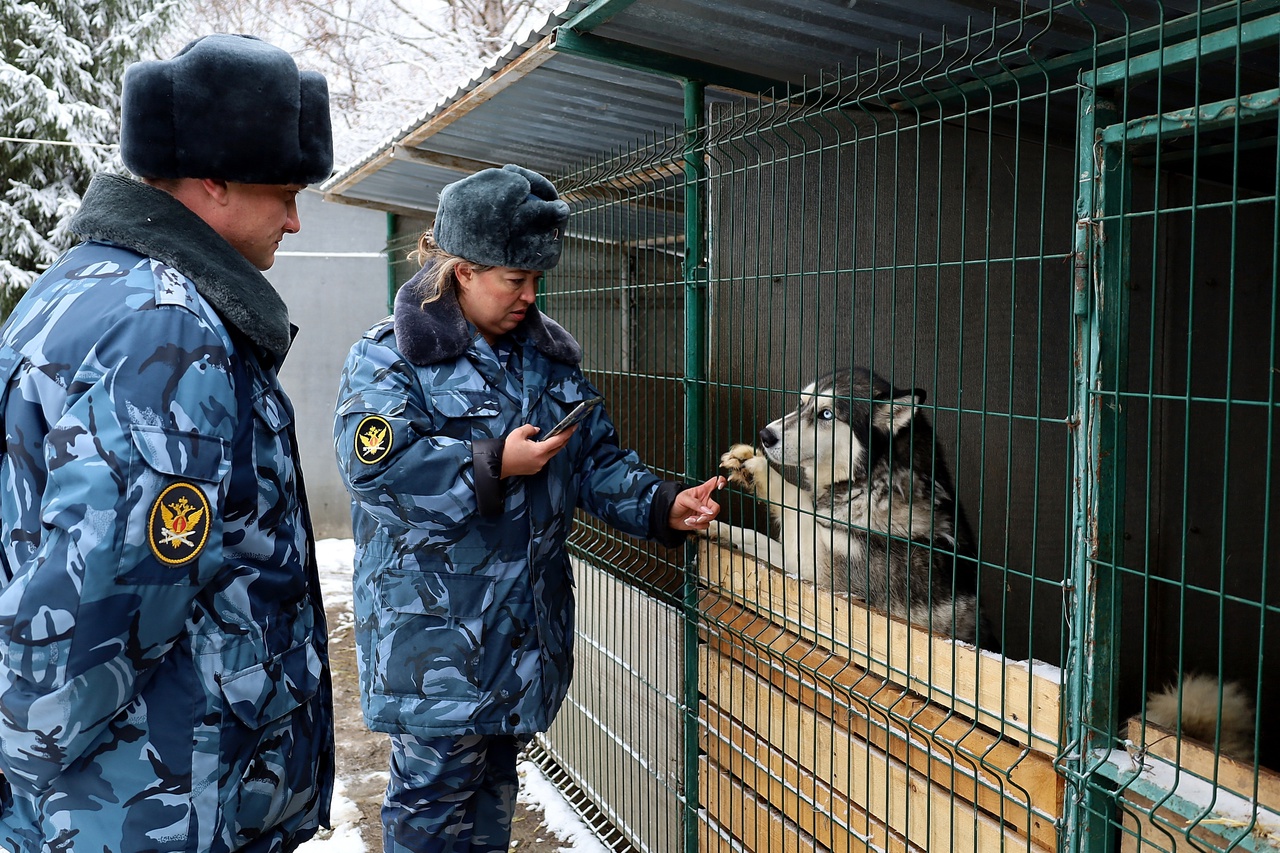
x,y
1090,593
695,389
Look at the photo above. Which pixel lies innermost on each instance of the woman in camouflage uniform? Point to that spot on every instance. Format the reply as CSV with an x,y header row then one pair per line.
x,y
463,592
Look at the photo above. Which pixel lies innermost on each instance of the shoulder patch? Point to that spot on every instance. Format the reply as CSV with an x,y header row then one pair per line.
x,y
373,439
172,287
178,528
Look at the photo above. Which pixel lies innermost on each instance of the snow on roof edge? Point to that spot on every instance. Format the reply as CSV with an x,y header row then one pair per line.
x,y
533,33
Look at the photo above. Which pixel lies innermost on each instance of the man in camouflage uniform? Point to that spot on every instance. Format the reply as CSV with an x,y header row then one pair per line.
x,y
164,681
463,588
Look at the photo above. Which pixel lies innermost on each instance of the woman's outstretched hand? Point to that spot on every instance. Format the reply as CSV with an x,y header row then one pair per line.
x,y
694,509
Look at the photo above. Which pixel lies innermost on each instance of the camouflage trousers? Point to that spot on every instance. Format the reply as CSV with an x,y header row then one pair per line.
x,y
451,794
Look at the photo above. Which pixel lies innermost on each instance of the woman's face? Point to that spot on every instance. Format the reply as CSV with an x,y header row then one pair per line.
x,y
497,299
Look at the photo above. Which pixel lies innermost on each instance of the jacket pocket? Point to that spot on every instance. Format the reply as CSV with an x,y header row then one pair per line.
x,y
269,741
173,505
432,634
466,415
268,691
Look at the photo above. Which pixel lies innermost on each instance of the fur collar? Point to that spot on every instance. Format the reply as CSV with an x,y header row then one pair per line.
x,y
153,223
438,332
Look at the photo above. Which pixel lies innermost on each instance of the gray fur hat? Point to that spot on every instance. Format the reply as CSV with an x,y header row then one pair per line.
x,y
508,217
230,107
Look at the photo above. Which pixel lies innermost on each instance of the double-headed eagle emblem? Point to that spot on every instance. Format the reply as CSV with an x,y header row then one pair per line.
x,y
373,439
179,525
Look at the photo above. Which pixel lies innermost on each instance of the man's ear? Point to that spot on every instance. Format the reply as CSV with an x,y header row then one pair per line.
x,y
216,189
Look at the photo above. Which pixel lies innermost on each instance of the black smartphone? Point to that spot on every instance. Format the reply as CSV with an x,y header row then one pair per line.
x,y
579,412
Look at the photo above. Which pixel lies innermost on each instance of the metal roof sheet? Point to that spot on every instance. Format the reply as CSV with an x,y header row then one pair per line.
x,y
550,110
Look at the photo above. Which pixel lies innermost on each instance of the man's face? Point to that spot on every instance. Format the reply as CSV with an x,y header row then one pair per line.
x,y
256,218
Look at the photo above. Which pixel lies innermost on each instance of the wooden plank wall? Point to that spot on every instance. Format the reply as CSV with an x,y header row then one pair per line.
x,y
827,726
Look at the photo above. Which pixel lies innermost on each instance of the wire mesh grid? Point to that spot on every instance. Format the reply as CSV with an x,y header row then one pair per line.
x,y
1054,240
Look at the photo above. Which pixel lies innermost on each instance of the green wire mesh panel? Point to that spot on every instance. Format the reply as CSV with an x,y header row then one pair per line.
x,y
902,220
1054,237
1180,413
618,288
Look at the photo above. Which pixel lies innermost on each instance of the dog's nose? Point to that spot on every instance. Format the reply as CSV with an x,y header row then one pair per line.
x,y
768,438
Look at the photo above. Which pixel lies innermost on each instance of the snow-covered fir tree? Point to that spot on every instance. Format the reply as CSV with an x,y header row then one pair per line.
x,y
61,63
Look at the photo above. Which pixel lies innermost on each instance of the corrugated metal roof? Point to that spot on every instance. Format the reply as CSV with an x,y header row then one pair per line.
x,y
550,110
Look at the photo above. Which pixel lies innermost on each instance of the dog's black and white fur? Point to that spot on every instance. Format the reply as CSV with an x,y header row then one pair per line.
x,y
875,516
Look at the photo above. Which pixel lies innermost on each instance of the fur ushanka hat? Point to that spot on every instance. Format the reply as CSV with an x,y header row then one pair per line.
x,y
230,107
508,217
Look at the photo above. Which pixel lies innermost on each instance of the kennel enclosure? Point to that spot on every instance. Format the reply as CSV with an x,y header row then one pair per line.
x,y
1057,218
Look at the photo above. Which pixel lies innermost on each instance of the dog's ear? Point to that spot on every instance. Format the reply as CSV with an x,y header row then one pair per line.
x,y
895,414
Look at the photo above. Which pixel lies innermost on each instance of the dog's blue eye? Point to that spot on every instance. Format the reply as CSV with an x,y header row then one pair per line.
x,y
826,414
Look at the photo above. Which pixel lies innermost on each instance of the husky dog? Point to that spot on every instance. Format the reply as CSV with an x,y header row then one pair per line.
x,y
874,516
1200,713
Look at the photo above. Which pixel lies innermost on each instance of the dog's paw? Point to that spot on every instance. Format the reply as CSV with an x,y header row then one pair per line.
x,y
742,465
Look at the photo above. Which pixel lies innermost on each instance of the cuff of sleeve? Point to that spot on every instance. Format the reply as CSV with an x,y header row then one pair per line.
x,y
486,458
660,529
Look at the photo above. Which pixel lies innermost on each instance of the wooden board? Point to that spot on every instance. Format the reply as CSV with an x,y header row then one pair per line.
x,y
1200,759
1010,698
739,812
830,818
909,803
1018,785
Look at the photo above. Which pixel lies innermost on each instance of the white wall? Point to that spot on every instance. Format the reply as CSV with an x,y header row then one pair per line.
x,y
333,276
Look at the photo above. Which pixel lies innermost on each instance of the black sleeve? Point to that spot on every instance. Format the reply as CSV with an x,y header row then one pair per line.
x,y
486,462
660,511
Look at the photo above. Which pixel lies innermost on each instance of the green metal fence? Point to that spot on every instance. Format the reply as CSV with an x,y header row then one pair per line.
x,y
1061,224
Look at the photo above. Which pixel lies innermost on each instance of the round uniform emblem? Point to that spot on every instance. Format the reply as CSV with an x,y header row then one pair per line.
x,y
373,439
179,524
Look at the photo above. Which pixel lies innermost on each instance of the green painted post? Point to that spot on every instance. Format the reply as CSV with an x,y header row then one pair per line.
x,y
1094,620
695,391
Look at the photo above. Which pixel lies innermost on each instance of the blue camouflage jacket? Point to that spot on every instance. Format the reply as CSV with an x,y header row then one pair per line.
x,y
163,664
464,604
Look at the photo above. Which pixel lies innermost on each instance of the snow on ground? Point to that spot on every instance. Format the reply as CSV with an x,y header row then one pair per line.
x,y
336,558
537,792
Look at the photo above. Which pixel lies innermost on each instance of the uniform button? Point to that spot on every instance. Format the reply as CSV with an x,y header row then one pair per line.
x,y
515,642
514,719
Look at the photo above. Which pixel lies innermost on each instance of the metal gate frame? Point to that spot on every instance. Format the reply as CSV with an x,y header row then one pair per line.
x,y
1100,279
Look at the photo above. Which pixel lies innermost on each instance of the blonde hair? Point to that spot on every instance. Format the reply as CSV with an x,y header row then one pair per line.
x,y
442,277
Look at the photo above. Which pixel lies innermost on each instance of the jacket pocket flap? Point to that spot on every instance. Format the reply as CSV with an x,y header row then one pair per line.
x,y
268,691
373,403
433,593
272,411
465,404
183,454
